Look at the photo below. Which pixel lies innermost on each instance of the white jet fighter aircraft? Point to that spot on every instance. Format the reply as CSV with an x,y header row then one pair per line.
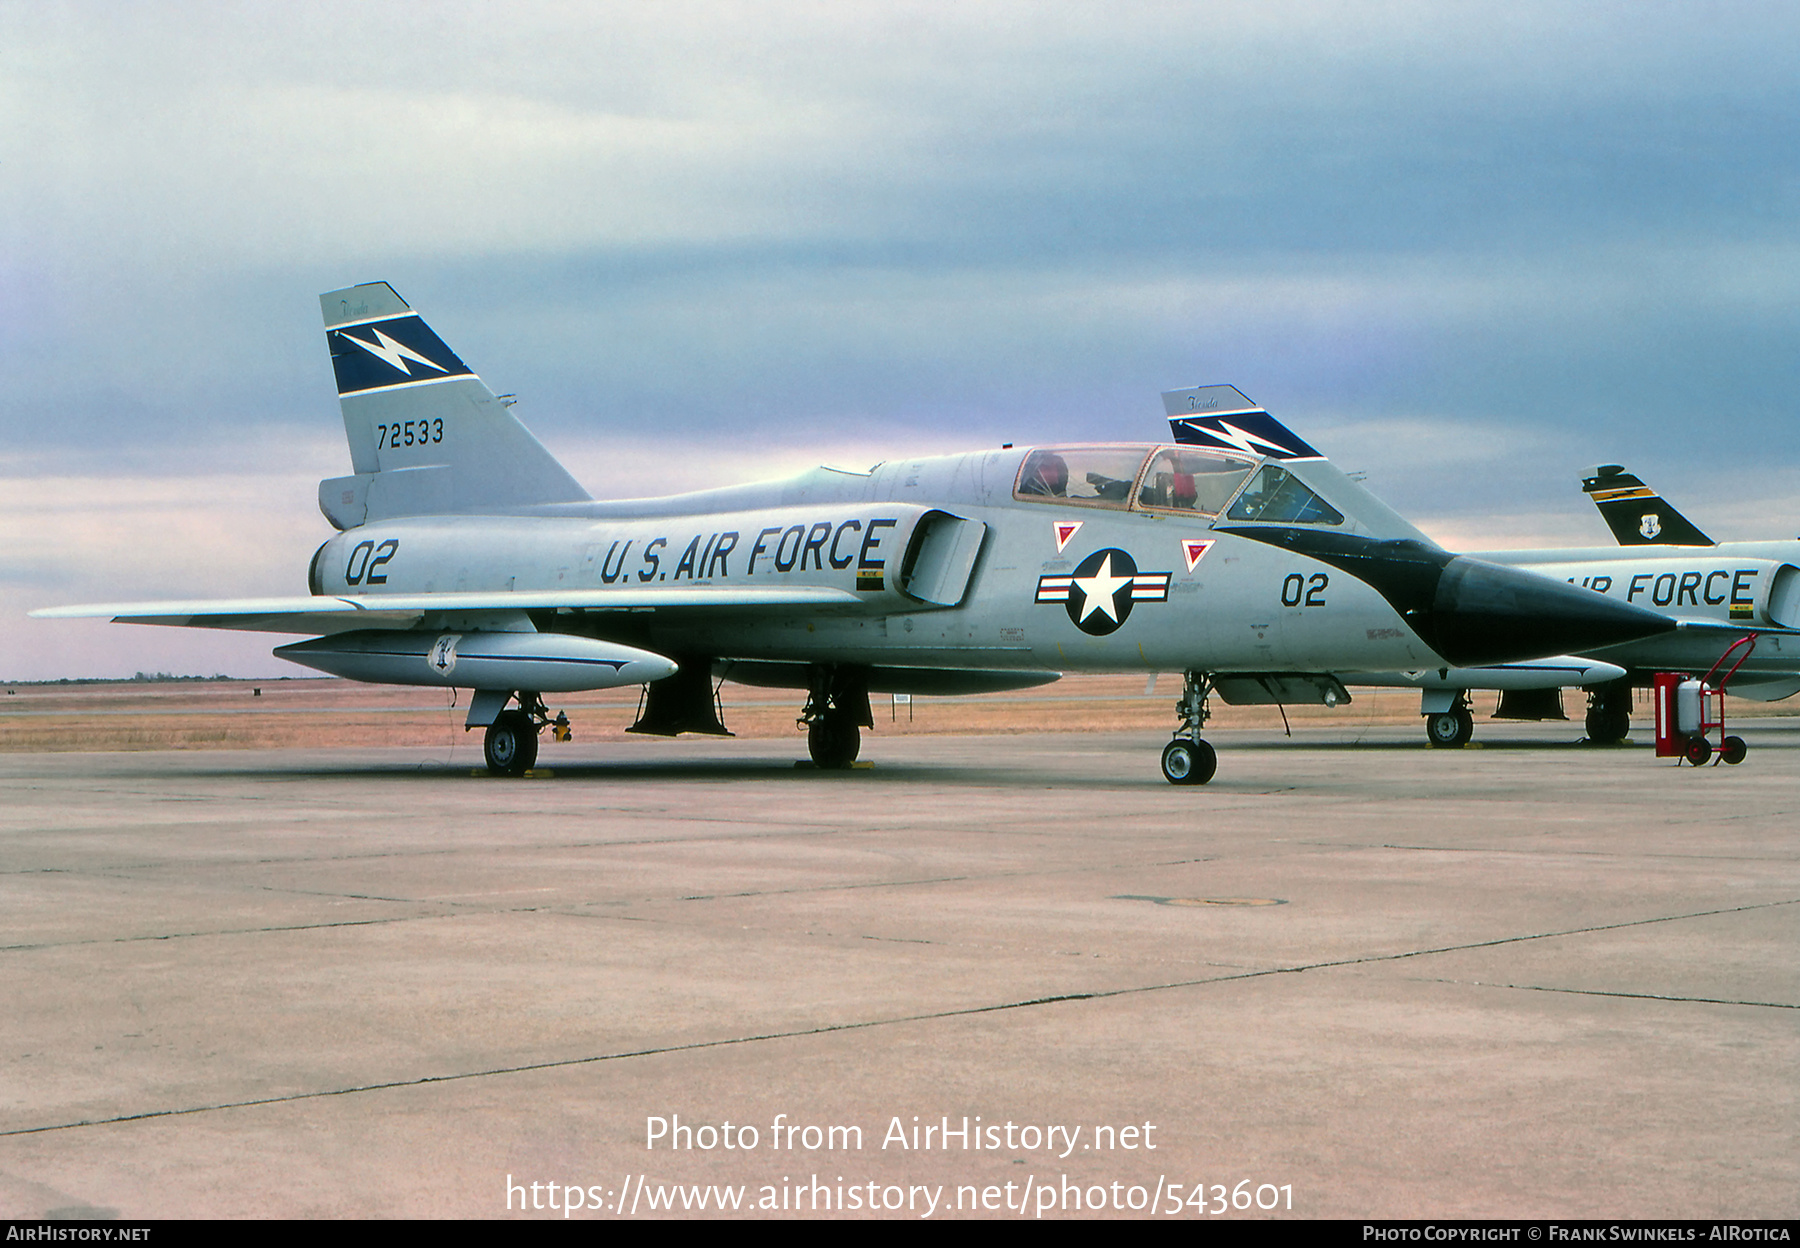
x,y
468,557
1729,589
1715,594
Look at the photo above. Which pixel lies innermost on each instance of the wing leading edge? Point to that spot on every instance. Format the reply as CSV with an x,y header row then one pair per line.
x,y
325,615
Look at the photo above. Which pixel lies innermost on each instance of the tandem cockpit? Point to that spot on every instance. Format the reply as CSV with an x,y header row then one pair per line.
x,y
1172,479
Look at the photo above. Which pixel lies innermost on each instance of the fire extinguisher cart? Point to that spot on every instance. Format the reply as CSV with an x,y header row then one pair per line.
x,y
1687,710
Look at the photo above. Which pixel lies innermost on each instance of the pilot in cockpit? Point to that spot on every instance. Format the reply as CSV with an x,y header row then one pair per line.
x,y
1045,473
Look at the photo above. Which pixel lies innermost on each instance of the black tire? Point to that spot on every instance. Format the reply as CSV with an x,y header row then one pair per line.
x,y
511,744
1606,727
1189,762
1732,750
1698,750
833,741
1450,730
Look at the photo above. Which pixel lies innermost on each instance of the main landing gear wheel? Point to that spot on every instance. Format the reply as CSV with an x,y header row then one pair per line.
x,y
1189,762
836,712
511,744
1732,750
833,741
1450,729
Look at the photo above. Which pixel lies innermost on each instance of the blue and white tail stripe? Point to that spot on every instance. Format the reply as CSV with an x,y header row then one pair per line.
x,y
388,352
1222,418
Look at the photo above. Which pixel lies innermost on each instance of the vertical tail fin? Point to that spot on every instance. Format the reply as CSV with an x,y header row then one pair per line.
x,y
1635,513
426,435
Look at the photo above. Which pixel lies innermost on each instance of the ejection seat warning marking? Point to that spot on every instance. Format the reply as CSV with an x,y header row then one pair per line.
x,y
1064,531
1193,549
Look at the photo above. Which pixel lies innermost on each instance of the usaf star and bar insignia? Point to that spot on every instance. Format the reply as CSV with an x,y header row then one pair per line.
x,y
1101,591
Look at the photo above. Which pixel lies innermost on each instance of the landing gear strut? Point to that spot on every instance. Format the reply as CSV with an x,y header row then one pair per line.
x,y
1186,759
837,709
1451,729
511,742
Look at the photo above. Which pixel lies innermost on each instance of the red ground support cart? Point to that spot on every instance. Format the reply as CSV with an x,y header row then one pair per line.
x,y
1687,710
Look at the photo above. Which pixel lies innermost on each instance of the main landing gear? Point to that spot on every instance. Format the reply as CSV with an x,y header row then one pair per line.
x,y
837,709
1187,759
511,742
1451,729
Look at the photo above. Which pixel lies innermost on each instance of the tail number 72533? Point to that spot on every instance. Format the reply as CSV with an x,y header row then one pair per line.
x,y
408,433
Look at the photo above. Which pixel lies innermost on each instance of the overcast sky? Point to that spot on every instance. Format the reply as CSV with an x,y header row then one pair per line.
x,y
1468,249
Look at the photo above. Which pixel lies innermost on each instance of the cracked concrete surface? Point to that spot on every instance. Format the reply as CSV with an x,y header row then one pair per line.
x,y
1525,980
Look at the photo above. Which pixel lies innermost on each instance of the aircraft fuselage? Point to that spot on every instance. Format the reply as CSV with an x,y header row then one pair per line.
x,y
940,565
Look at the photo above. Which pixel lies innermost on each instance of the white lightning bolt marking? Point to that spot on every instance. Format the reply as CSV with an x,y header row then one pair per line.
x,y
1244,440
393,353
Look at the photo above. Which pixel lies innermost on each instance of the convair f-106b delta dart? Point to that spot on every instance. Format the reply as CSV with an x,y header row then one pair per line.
x,y
467,557
1716,594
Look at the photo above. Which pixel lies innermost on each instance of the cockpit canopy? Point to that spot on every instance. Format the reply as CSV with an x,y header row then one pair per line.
x,y
1177,479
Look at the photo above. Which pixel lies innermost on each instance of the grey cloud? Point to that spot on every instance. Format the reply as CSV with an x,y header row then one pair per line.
x,y
1011,221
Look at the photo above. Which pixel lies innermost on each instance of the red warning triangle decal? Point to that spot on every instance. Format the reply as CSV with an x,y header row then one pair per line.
x,y
1065,529
1194,549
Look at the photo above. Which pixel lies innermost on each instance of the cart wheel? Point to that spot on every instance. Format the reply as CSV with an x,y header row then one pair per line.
x,y
1733,749
1699,749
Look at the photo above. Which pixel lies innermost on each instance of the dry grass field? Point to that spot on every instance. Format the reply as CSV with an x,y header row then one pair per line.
x,y
321,713
309,713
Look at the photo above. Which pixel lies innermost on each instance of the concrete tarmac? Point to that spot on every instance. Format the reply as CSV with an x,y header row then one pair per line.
x,y
1353,977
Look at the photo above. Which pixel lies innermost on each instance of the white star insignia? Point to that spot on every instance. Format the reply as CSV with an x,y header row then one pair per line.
x,y
1098,590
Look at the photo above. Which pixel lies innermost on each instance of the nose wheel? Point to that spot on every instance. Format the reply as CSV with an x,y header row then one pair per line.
x,y
1187,759
1189,762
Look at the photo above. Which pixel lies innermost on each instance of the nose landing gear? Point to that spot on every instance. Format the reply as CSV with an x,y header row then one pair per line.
x,y
1187,759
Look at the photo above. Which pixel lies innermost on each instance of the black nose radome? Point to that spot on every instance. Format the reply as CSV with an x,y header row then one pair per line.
x,y
1470,612
1487,613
